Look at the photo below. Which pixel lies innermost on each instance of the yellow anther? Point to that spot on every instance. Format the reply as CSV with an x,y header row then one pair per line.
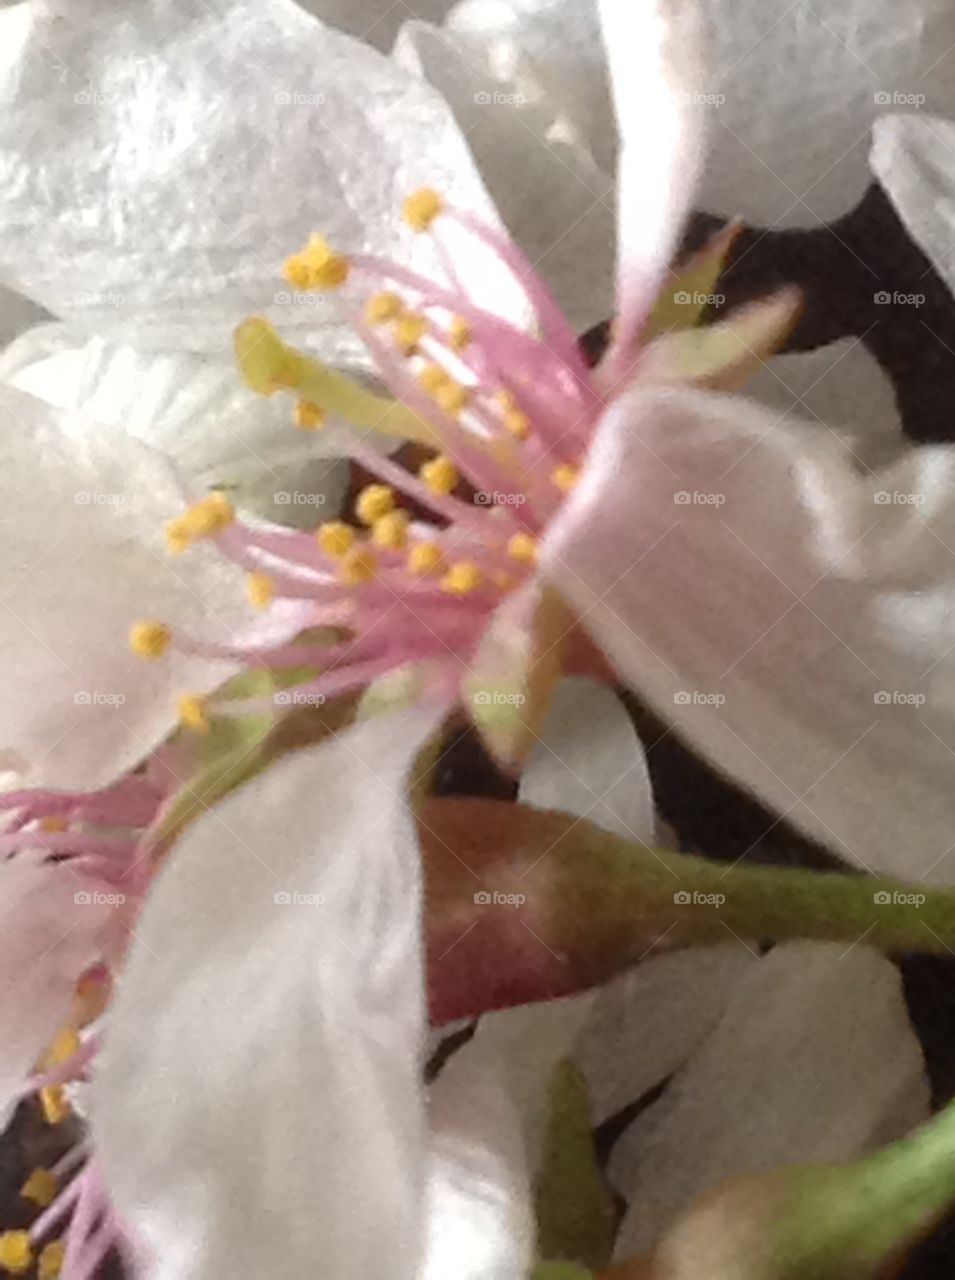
x,y
16,1252
390,532
178,537
358,566
55,822
203,519
383,306
317,266
373,502
193,711
452,397
40,1188
432,378
440,475
421,208
149,639
54,1103
565,476
517,423
522,547
505,399
462,578
51,1261
309,416
424,557
259,589
459,333
66,1043
409,330
335,537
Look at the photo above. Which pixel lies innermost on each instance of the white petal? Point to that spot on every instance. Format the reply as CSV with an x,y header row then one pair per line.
x,y
194,409
813,1060
914,159
590,762
791,89
259,1107
556,202
480,1223
49,931
644,1025
144,195
654,61
792,618
841,388
84,558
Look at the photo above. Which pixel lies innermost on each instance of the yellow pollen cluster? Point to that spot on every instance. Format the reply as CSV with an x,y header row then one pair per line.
x,y
309,416
373,502
204,519
335,537
260,590
421,208
358,566
40,1188
193,711
462,578
55,822
149,639
432,378
517,423
565,476
424,557
51,1261
390,532
54,1103
459,333
410,328
452,397
317,266
16,1252
440,475
382,307
522,547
